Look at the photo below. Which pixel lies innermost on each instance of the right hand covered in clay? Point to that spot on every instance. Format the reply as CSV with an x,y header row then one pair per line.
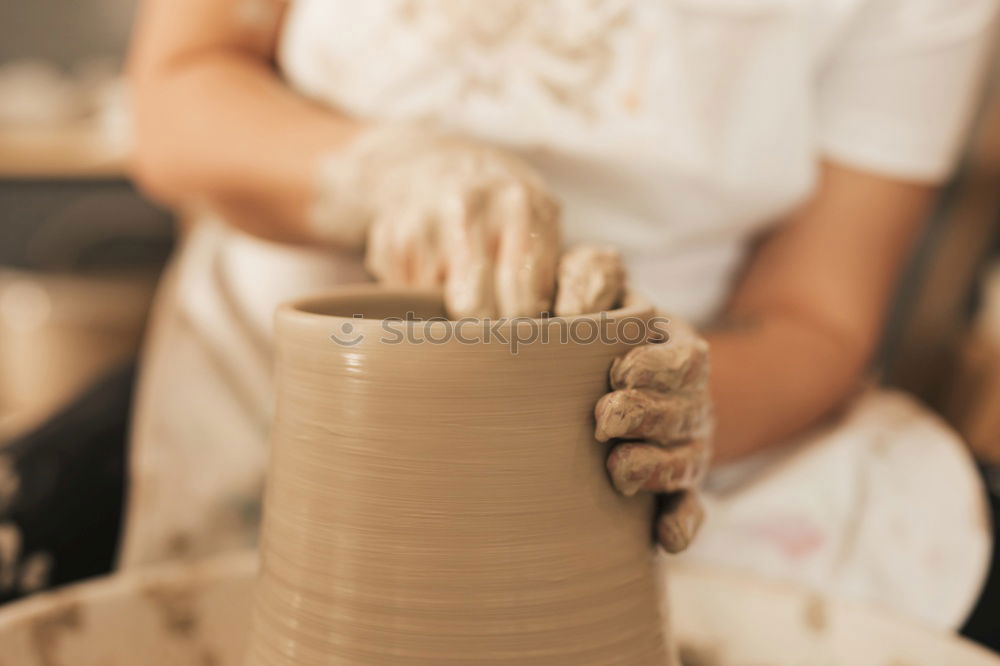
x,y
443,210
660,410
659,414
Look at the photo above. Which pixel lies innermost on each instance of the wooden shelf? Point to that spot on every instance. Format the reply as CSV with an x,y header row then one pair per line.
x,y
80,151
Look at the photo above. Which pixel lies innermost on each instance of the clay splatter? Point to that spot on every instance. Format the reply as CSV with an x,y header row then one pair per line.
x,y
179,545
697,655
815,615
177,609
50,627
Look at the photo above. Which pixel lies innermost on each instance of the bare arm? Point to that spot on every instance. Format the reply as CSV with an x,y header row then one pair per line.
x,y
801,326
808,313
214,123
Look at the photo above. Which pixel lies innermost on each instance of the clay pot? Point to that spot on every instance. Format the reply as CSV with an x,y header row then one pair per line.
x,y
436,498
194,614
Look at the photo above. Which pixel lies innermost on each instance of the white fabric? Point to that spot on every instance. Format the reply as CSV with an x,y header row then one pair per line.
x,y
672,129
884,505
199,439
675,130
895,97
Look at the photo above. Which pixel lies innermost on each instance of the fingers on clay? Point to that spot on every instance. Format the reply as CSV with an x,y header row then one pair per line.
x,y
528,251
681,363
681,517
645,467
658,417
469,289
377,250
591,279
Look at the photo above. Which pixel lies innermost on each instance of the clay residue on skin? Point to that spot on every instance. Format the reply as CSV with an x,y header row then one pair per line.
x,y
49,627
682,361
492,241
815,614
440,503
638,467
591,279
664,418
680,519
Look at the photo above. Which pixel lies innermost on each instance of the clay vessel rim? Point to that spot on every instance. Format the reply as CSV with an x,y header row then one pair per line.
x,y
309,310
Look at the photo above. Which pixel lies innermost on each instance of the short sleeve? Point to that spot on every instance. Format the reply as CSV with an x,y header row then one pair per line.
x,y
900,89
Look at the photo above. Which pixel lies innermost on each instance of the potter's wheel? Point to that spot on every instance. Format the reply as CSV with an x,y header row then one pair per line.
x,y
181,615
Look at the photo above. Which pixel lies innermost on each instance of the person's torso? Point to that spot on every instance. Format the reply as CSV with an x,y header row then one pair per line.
x,y
672,129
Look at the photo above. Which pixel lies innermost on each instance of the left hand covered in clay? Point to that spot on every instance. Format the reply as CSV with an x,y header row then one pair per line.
x,y
658,414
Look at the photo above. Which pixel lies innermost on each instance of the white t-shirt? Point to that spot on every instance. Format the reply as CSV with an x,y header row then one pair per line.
x,y
672,129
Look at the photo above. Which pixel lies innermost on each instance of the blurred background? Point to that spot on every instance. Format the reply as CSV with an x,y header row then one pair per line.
x,y
80,253
81,249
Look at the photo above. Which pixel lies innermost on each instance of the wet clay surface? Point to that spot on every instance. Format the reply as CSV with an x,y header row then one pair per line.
x,y
446,503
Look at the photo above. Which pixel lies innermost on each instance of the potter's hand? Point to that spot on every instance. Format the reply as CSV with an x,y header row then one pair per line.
x,y
446,210
659,404
591,279
660,400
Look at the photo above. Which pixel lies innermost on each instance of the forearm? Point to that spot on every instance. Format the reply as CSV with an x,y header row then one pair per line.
x,y
775,376
216,127
810,308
